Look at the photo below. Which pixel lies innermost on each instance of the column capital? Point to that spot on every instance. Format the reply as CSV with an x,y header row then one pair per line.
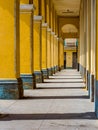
x,y
26,7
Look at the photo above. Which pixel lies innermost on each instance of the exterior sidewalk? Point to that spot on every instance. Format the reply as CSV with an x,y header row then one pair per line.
x,y
61,103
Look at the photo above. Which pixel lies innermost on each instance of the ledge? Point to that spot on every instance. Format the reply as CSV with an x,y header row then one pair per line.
x,y
27,7
55,36
44,24
53,33
37,18
49,29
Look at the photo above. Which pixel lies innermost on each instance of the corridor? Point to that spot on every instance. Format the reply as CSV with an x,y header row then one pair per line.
x,y
60,103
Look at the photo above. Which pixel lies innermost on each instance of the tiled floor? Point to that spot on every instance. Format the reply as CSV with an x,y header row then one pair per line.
x,y
61,103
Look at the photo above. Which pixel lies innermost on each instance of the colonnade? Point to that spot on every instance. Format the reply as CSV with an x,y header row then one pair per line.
x,y
31,49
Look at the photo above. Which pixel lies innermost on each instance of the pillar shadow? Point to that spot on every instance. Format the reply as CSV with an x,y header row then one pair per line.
x,y
56,97
50,116
60,87
63,82
65,78
68,75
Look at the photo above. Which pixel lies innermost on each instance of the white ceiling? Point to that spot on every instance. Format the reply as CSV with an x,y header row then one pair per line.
x,y
67,7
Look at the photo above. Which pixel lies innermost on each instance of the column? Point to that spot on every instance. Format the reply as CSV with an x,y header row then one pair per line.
x,y
44,51
88,54
59,57
37,49
49,52
52,52
55,53
85,40
10,81
78,57
82,42
92,60
96,62
26,45
62,54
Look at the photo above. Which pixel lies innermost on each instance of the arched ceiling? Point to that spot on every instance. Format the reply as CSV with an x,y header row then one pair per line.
x,y
69,28
67,7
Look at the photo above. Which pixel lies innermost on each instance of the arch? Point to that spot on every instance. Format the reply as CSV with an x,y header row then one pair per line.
x,y
69,28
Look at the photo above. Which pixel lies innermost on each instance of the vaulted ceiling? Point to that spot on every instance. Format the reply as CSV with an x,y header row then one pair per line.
x,y
67,7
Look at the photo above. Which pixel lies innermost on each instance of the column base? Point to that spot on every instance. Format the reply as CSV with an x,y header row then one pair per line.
x,y
56,68
96,98
38,76
62,67
88,84
28,81
11,89
92,87
49,70
53,70
83,73
87,80
44,74
78,66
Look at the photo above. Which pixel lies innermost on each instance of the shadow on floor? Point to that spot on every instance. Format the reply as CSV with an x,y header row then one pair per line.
x,y
64,82
61,88
64,78
56,97
67,75
50,116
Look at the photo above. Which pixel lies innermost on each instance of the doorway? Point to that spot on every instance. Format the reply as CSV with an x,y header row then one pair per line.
x,y
74,60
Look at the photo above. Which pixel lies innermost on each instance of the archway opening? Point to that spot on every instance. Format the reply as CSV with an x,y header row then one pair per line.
x,y
70,53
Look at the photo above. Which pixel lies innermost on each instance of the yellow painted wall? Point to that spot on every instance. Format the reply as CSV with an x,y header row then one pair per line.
x,y
9,41
26,43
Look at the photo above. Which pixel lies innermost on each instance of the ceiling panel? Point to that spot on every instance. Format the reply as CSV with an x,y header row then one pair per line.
x,y
67,7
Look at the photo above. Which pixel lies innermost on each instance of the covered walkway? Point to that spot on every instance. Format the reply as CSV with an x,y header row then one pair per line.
x,y
60,103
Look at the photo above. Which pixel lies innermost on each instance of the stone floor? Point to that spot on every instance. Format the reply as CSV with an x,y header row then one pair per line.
x,y
61,103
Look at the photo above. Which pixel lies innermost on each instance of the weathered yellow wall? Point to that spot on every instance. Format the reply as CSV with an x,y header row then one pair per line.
x,y
9,61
